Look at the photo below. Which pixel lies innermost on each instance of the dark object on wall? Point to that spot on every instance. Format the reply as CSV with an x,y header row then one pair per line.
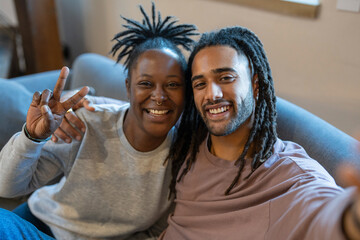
x,y
40,36
9,62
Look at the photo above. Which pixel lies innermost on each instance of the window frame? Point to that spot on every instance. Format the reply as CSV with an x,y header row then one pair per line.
x,y
287,7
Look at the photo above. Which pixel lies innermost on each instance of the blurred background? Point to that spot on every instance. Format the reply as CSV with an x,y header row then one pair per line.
x,y
314,51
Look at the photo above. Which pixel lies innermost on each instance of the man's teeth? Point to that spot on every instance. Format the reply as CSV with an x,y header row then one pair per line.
x,y
158,112
218,110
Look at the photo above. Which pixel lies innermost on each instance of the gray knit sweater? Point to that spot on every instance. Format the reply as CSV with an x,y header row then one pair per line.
x,y
109,190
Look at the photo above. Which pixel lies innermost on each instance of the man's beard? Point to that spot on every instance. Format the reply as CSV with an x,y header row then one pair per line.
x,y
243,112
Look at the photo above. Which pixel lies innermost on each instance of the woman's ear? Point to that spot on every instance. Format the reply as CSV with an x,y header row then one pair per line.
x,y
255,85
127,83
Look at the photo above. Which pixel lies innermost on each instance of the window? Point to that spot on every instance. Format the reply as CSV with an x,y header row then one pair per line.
x,y
301,8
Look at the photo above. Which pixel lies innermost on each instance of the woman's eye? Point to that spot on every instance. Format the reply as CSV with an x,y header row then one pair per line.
x,y
173,85
145,84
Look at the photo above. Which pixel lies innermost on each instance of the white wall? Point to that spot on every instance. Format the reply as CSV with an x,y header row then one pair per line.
x,y
315,62
7,9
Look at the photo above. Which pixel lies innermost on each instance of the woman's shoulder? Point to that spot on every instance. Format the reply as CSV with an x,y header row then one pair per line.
x,y
103,113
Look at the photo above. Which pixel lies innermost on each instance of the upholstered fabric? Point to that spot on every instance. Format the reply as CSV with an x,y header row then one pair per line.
x,y
322,141
103,74
39,81
15,98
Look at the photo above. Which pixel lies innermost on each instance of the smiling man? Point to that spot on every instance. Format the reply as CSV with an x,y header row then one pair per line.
x,y
212,79
233,178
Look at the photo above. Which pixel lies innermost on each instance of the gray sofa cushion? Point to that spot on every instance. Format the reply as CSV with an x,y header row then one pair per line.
x,y
101,73
322,141
15,100
39,81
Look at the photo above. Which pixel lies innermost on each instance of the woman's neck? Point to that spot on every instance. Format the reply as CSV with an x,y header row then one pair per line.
x,y
138,139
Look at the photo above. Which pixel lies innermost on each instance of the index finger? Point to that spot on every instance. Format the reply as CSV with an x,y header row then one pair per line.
x,y
60,84
75,98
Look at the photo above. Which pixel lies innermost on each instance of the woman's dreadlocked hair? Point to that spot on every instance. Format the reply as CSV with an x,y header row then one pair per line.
x,y
152,34
193,131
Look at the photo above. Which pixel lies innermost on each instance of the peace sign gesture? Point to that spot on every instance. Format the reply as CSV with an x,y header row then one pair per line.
x,y
46,111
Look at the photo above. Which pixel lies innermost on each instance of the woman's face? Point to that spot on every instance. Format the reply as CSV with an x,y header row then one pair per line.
x,y
156,91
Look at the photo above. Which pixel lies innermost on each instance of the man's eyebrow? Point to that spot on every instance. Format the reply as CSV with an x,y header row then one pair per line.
x,y
196,77
225,69
217,70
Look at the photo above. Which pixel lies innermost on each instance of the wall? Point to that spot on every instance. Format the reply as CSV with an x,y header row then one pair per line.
x,y
7,8
315,62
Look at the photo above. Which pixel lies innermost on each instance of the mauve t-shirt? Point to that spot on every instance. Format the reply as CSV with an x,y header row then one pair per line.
x,y
290,196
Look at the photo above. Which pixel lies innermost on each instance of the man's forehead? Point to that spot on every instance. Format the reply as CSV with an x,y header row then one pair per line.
x,y
219,57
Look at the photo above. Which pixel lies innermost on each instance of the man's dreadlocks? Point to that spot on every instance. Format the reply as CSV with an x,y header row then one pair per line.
x,y
193,131
152,34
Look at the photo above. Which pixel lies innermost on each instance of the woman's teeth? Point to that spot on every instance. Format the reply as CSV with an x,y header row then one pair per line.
x,y
158,112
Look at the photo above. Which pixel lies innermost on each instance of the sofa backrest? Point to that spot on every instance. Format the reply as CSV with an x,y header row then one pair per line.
x,y
321,140
103,74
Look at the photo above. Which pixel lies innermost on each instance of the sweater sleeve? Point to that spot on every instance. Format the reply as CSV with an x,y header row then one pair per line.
x,y
26,165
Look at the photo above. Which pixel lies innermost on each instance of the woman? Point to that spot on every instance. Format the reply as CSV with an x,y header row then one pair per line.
x,y
116,179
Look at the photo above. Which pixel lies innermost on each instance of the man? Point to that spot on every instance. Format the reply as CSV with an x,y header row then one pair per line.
x,y
234,179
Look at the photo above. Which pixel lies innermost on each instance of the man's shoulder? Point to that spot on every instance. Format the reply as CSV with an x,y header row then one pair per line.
x,y
295,159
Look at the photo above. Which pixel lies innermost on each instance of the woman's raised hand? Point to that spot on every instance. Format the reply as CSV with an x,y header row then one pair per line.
x,y
46,111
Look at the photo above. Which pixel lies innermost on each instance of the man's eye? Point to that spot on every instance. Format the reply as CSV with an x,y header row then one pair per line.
x,y
226,78
198,85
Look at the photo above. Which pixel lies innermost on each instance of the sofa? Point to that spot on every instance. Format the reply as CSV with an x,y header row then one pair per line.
x,y
322,141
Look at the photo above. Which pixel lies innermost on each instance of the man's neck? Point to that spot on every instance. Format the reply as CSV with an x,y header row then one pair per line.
x,y
231,146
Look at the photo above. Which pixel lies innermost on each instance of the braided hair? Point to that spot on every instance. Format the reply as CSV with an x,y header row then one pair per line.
x,y
193,131
152,34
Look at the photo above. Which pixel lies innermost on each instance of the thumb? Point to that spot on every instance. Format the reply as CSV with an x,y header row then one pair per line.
x,y
89,106
46,112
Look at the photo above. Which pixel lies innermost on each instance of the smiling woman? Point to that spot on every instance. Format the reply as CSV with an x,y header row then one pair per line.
x,y
156,90
120,163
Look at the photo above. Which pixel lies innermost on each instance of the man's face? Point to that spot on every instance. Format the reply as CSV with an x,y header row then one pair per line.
x,y
223,89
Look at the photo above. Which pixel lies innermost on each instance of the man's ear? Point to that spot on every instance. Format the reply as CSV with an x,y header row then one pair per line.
x,y
255,85
127,83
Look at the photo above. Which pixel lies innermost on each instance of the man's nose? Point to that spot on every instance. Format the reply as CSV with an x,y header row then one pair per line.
x,y
213,92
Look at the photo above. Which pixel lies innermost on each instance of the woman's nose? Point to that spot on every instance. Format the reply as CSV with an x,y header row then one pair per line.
x,y
159,95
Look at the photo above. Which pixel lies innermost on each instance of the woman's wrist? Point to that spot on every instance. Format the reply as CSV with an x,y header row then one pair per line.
x,y
27,134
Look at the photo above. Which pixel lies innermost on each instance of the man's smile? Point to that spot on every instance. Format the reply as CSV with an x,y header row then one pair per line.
x,y
219,110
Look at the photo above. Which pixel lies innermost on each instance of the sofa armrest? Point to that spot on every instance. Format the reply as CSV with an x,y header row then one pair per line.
x,y
322,141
